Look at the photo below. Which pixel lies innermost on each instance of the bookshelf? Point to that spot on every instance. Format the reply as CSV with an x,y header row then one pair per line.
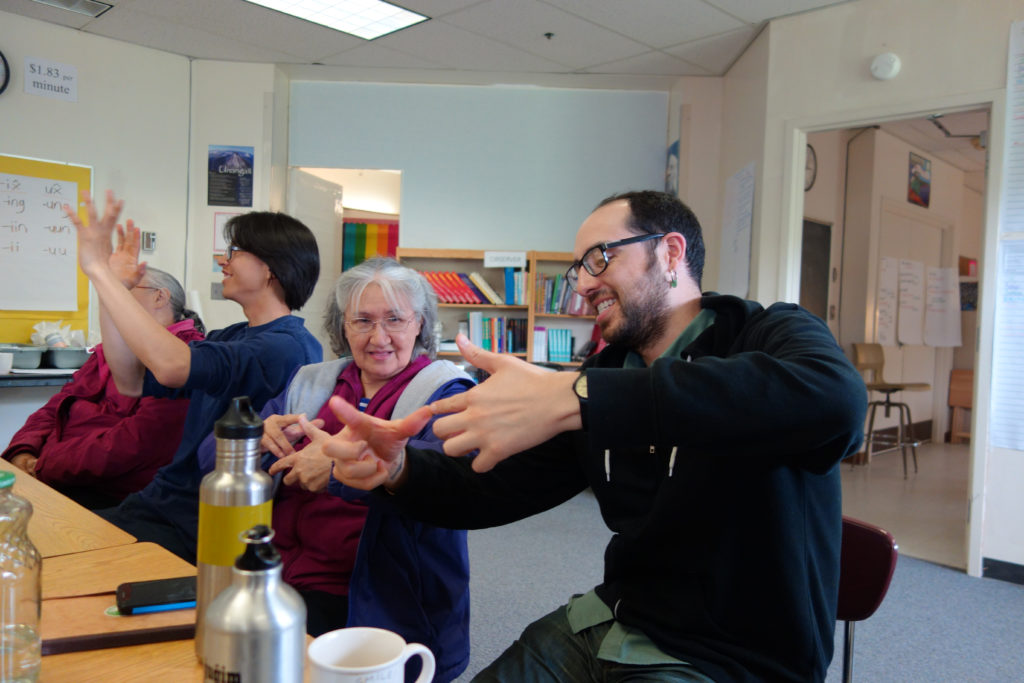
x,y
547,263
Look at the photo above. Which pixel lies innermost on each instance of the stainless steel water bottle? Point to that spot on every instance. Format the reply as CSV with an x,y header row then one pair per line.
x,y
256,627
234,497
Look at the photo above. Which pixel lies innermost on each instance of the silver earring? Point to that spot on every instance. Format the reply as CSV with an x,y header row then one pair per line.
x,y
673,282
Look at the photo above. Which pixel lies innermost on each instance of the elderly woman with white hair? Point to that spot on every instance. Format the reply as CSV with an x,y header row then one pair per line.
x,y
94,444
355,562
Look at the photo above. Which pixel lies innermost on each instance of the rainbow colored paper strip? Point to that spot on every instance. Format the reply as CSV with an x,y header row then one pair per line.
x,y
361,241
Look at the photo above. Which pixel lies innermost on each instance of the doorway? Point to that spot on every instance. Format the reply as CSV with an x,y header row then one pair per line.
x,y
324,199
871,164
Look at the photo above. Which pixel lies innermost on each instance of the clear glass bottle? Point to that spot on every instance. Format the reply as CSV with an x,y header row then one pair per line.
x,y
20,566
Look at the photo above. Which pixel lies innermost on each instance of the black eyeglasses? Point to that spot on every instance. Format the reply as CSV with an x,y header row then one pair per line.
x,y
231,252
595,259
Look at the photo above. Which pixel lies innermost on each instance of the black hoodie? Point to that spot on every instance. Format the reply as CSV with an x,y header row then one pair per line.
x,y
718,473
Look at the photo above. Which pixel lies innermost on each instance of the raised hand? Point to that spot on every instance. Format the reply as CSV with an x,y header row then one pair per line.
x,y
517,407
370,451
94,235
124,260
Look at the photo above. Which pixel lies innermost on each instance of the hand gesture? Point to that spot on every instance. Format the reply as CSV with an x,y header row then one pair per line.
x,y
308,468
94,235
280,432
517,407
124,260
370,451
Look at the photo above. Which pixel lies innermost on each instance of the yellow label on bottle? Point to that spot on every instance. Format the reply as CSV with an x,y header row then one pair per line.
x,y
220,527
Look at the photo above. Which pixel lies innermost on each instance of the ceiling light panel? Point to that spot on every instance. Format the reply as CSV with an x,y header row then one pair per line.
x,y
367,19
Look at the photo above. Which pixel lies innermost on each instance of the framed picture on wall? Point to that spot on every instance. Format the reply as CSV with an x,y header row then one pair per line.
x,y
919,185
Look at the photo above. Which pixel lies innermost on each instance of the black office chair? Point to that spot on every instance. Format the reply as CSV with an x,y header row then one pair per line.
x,y
867,562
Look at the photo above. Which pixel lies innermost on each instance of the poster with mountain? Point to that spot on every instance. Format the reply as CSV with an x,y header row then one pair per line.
x,y
229,176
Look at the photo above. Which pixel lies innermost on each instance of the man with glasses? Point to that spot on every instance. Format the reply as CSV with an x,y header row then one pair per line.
x,y
710,430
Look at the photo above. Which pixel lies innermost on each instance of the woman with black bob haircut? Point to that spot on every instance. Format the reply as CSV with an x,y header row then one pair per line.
x,y
269,269
285,245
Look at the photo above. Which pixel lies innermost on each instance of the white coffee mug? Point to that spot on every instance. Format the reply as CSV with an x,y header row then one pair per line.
x,y
6,361
361,654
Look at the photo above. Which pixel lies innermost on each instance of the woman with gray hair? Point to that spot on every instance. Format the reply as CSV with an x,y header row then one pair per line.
x,y
94,444
355,562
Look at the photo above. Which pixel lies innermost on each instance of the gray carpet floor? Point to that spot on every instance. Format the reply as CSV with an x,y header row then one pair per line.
x,y
936,624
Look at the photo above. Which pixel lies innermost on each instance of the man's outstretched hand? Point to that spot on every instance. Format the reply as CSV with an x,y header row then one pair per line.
x,y
517,407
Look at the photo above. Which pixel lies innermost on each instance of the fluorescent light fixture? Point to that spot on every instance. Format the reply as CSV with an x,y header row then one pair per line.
x,y
90,8
367,19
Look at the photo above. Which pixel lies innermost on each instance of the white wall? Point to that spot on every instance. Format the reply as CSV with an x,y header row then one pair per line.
x,y
695,118
486,167
130,124
954,54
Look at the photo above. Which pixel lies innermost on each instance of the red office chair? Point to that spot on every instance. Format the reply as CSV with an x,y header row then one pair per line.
x,y
867,561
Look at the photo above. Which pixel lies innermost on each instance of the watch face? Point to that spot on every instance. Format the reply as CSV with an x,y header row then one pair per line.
x,y
810,168
580,386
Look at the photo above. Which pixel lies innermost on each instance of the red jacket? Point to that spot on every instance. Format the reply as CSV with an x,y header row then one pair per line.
x,y
88,435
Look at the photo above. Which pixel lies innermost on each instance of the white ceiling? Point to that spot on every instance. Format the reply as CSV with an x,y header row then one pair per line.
x,y
596,43
963,148
651,38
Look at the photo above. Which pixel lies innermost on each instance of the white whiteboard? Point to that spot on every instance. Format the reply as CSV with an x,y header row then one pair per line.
x,y
38,246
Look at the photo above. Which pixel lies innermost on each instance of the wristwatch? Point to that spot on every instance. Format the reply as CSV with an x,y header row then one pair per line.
x,y
579,387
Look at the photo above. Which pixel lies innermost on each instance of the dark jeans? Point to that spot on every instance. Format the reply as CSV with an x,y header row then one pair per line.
x,y
548,650
142,522
324,611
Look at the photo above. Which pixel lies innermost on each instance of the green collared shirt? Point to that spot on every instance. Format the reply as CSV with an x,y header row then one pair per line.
x,y
623,643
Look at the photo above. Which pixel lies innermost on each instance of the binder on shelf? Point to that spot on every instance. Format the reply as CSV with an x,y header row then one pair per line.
x,y
486,288
510,286
476,327
540,344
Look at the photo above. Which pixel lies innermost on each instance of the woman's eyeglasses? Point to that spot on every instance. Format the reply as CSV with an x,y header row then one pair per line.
x,y
231,252
595,259
392,324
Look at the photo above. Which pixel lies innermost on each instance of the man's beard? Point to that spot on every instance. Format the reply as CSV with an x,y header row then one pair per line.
x,y
643,316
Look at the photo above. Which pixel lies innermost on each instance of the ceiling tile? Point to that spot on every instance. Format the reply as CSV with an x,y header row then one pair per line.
x,y
375,55
144,29
718,53
657,23
653,63
442,43
576,43
755,12
35,10
253,25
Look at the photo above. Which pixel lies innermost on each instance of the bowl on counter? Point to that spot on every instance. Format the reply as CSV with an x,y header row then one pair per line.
x,y
67,358
26,356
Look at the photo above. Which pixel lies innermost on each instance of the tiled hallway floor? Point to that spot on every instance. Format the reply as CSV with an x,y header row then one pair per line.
x,y
927,512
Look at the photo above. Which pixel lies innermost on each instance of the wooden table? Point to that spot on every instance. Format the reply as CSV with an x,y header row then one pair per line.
x,y
79,589
173,661
59,525
101,571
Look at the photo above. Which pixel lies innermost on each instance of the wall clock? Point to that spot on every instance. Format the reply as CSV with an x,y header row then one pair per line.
x,y
810,168
5,72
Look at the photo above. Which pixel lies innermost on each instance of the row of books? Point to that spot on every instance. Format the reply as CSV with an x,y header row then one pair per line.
x,y
553,295
472,288
498,333
552,344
